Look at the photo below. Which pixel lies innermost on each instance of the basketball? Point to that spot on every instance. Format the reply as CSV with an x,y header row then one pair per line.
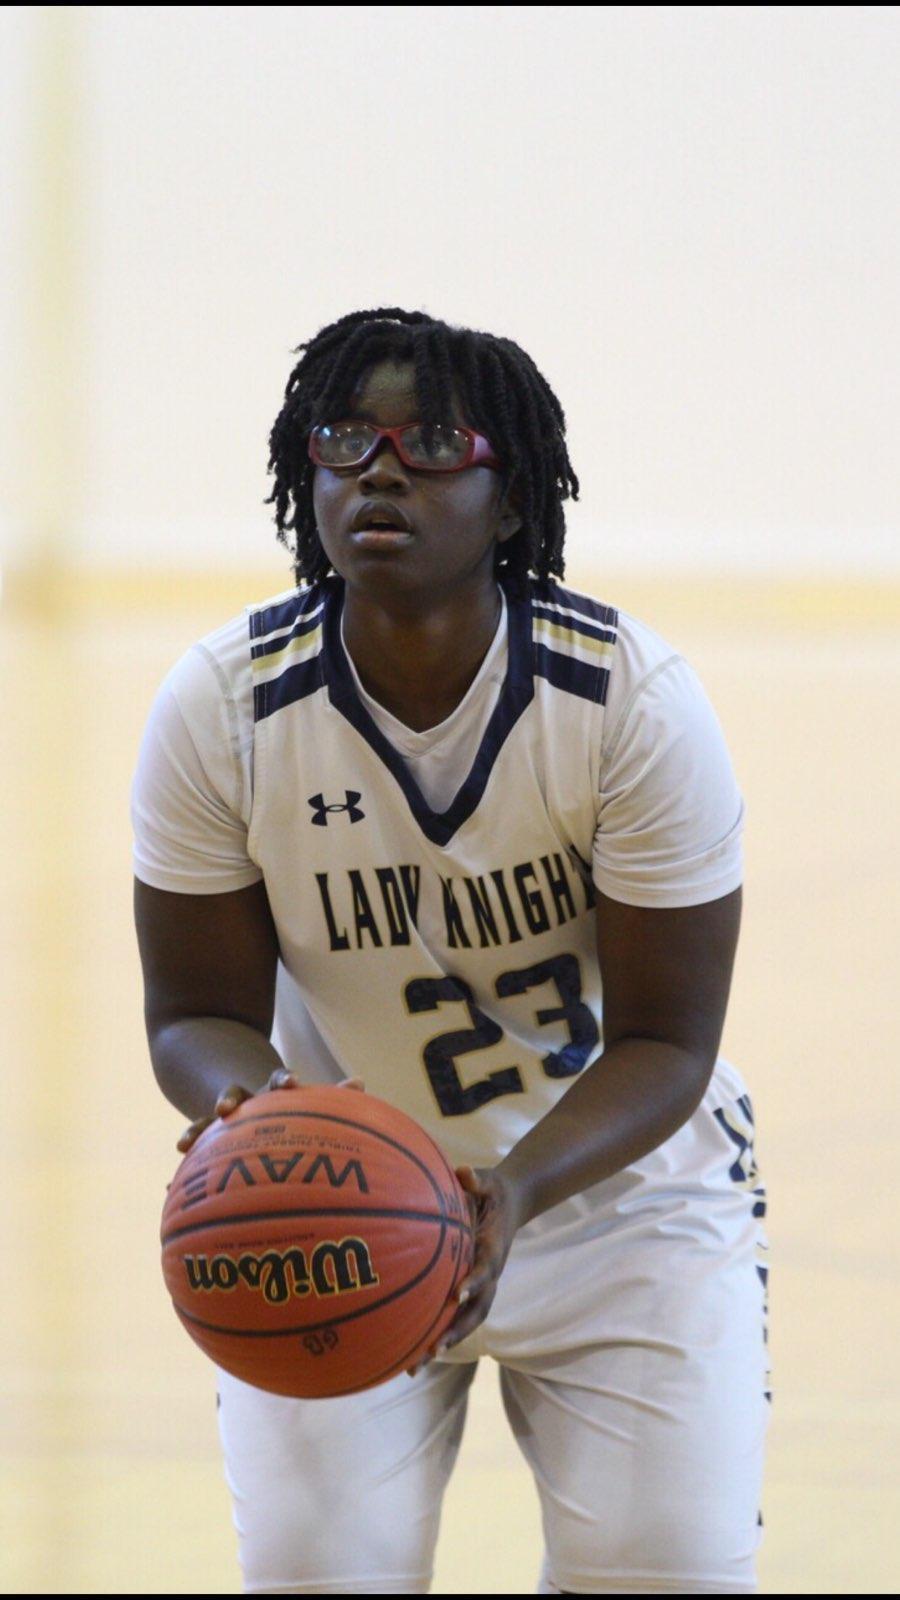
x,y
312,1240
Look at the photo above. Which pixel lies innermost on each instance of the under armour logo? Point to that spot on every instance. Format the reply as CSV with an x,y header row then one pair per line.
x,y
321,810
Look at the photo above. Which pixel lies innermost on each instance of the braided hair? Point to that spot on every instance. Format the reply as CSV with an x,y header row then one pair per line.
x,y
507,399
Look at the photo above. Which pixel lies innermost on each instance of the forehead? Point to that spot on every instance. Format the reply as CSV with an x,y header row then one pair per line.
x,y
386,394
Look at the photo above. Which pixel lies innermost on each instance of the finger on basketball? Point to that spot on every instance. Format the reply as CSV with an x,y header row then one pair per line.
x,y
474,1191
483,1276
282,1078
352,1083
474,1297
192,1133
230,1099
469,1181
467,1319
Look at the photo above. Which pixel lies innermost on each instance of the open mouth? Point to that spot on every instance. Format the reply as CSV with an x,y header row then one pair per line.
x,y
380,516
380,536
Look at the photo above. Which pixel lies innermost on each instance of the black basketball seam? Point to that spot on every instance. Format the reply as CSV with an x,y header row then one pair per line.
x,y
359,1127
329,1322
395,1367
441,1220
465,1222
417,1344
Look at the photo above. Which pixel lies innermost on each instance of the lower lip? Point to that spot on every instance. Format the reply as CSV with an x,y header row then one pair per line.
x,y
380,538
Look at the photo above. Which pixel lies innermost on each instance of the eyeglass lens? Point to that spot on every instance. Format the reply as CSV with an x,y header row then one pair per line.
x,y
343,444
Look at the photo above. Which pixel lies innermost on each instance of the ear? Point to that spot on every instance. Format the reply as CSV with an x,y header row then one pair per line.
x,y
511,518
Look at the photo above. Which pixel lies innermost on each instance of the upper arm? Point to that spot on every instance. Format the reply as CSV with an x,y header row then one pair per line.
x,y
205,932
207,955
670,812
667,972
191,796
667,854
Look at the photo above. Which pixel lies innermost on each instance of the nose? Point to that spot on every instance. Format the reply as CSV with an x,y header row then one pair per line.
x,y
384,464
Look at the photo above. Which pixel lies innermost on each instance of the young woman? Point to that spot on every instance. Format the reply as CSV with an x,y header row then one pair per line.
x,y
431,821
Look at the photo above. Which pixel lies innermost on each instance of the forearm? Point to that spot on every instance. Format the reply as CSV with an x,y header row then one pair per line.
x,y
196,1058
632,1099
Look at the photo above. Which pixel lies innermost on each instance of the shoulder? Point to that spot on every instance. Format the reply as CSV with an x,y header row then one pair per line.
x,y
279,615
572,627
286,641
647,668
222,666
592,647
208,696
574,639
657,709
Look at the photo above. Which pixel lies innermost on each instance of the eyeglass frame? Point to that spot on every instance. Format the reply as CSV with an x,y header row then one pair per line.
x,y
480,452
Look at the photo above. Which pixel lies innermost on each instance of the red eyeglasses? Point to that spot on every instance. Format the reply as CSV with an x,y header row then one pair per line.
x,y
438,448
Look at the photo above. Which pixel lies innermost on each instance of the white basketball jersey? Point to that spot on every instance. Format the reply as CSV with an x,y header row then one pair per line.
x,y
448,957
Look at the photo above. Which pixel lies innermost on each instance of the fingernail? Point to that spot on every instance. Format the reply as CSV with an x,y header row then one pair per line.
x,y
462,1297
443,1347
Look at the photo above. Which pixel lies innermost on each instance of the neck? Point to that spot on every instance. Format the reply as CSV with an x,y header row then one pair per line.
x,y
419,664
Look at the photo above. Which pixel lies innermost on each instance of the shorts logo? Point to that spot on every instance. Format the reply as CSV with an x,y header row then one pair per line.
x,y
321,810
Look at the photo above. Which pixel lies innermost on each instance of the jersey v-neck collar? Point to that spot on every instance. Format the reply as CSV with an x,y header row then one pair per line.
x,y
516,693
412,742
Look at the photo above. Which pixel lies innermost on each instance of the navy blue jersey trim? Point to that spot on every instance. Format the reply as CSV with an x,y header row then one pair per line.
x,y
304,624
575,624
304,677
294,683
575,677
269,618
553,594
516,694
527,659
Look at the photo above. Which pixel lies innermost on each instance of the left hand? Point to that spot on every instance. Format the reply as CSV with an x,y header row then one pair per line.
x,y
496,1218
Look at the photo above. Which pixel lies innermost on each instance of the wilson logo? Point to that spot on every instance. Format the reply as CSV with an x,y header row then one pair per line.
x,y
334,1267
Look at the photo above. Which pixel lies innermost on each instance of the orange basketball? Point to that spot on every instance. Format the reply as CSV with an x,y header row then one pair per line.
x,y
311,1241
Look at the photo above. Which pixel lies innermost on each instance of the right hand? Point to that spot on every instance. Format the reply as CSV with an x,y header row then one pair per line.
x,y
236,1094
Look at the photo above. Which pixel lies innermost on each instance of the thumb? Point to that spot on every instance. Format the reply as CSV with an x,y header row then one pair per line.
x,y
469,1179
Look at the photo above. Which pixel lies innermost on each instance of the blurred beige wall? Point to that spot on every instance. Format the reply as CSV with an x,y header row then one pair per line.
x,y
687,215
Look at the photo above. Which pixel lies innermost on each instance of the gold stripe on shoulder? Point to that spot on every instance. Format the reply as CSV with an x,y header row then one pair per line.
x,y
306,644
573,636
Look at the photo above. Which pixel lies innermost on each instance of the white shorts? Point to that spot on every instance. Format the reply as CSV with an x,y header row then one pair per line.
x,y
629,1325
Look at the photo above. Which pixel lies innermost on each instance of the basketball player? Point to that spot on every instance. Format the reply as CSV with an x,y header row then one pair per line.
x,y
432,821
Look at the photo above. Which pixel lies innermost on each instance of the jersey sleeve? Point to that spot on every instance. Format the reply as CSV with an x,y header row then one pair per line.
x,y
670,822
191,793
